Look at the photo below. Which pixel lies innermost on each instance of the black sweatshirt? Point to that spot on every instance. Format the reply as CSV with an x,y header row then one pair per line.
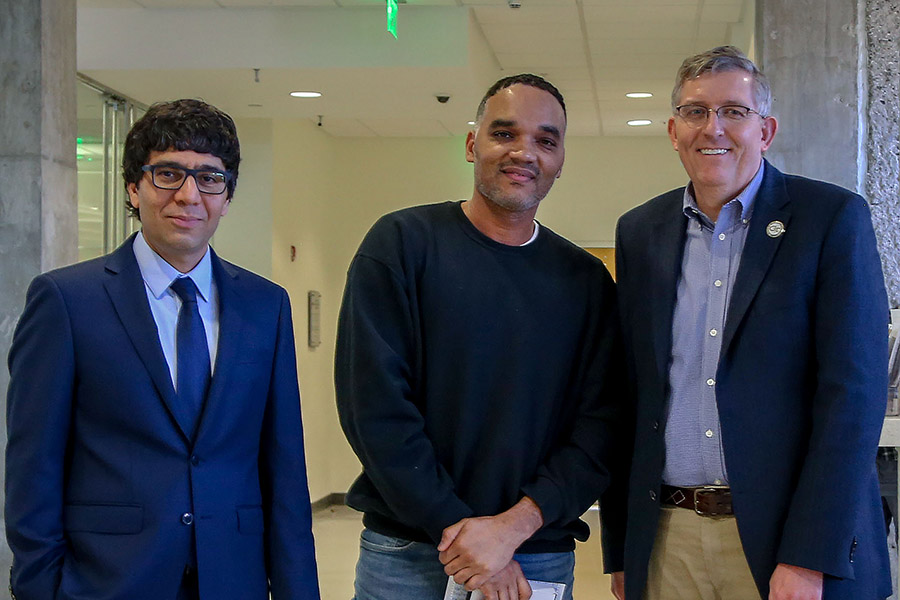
x,y
470,374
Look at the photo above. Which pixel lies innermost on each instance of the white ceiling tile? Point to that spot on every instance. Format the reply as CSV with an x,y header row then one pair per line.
x,y
287,3
558,37
107,4
534,15
640,14
642,46
179,3
567,72
406,127
636,61
631,74
538,61
526,4
432,3
578,97
243,3
345,128
626,33
684,3
567,86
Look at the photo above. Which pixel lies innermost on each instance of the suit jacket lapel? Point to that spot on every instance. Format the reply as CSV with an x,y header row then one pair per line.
x,y
125,287
667,246
231,325
772,204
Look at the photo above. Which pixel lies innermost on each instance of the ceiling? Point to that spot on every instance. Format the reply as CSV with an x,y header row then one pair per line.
x,y
595,51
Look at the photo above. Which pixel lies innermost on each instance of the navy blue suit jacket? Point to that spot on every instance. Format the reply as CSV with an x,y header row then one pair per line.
x,y
801,382
101,477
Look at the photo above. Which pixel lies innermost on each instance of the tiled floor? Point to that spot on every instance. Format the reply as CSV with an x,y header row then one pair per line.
x,y
337,546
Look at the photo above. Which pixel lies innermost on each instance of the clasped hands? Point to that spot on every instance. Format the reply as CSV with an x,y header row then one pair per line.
x,y
478,552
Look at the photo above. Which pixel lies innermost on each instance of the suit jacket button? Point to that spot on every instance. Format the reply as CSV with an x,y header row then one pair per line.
x,y
194,460
187,518
655,425
652,495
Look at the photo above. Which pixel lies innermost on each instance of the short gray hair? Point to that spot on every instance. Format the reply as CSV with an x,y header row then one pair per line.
x,y
719,59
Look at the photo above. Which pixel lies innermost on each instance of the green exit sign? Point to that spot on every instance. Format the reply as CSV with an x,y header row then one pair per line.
x,y
392,17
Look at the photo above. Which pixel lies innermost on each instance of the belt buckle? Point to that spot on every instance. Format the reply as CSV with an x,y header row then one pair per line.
x,y
700,492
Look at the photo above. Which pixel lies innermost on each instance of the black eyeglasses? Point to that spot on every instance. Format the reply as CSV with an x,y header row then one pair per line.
x,y
696,115
169,177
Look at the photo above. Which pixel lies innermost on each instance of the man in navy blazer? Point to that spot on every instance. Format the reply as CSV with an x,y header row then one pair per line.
x,y
755,319
154,453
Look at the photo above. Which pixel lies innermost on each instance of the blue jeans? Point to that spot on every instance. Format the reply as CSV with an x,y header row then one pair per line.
x,y
391,568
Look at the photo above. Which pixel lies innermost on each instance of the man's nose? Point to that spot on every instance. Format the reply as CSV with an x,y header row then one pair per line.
x,y
713,125
524,151
188,192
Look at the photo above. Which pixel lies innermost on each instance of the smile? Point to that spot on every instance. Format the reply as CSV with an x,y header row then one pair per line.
x,y
712,151
518,173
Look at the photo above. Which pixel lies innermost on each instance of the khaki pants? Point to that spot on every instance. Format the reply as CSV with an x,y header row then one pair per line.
x,y
698,558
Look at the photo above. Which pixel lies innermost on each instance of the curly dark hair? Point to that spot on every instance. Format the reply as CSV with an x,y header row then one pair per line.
x,y
525,79
186,124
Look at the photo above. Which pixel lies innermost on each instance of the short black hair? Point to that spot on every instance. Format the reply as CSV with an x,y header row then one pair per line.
x,y
185,124
525,79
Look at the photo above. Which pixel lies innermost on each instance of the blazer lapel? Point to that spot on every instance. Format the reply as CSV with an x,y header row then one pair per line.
x,y
231,326
125,287
772,204
667,246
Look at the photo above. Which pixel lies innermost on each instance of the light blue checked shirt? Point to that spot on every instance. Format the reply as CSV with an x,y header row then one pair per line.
x,y
712,254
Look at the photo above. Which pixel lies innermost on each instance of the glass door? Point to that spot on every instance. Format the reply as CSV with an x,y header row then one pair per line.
x,y
104,118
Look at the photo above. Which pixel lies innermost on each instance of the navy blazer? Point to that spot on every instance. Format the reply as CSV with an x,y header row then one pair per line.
x,y
800,386
103,485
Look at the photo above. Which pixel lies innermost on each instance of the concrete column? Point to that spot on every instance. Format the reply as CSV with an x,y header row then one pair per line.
x,y
833,66
38,201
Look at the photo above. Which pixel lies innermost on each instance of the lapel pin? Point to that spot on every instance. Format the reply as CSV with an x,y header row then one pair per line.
x,y
775,229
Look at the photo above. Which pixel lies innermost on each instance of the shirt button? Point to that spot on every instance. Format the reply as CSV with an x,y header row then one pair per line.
x,y
721,236
194,460
713,332
652,495
709,433
717,283
718,482
187,518
710,382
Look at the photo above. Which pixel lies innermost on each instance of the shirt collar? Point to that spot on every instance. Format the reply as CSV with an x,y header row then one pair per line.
x,y
159,275
746,199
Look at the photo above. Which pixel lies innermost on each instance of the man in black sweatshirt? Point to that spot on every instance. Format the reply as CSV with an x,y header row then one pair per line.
x,y
478,377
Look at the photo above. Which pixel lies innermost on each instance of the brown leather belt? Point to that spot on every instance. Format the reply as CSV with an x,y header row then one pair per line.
x,y
706,501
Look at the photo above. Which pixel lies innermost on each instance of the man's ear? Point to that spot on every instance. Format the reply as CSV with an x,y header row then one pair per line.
x,y
470,147
133,196
769,127
672,136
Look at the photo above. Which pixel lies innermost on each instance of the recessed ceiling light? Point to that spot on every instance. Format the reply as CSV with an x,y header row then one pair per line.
x,y
306,94
639,95
471,122
639,122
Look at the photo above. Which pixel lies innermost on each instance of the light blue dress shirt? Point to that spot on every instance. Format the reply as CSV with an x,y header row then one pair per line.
x,y
164,303
712,255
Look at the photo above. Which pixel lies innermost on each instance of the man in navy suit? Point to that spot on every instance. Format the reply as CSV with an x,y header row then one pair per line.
x,y
755,319
155,444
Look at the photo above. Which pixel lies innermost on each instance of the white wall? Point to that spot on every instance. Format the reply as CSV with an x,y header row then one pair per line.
x,y
326,192
244,236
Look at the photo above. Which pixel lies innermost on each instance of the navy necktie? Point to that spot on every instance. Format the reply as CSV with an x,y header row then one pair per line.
x,y
192,353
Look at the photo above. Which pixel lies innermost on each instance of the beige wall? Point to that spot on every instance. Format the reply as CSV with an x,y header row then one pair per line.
x,y
326,192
